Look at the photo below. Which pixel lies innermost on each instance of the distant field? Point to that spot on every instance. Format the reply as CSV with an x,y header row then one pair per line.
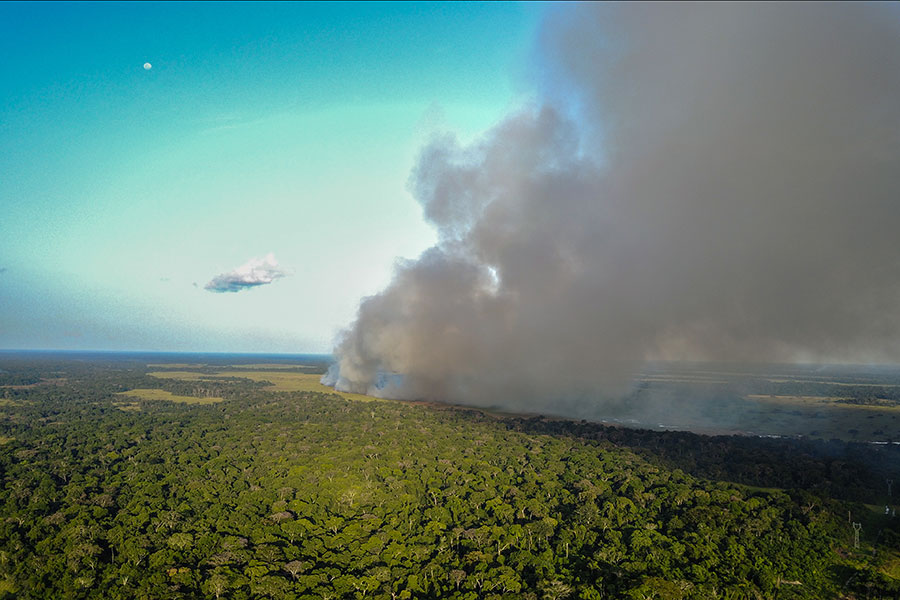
x,y
882,404
824,417
272,366
795,399
151,394
256,366
683,380
833,382
281,381
675,400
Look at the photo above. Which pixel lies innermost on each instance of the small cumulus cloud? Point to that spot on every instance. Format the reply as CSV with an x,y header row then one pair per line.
x,y
255,272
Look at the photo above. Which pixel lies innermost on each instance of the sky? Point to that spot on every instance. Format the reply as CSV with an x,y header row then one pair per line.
x,y
228,177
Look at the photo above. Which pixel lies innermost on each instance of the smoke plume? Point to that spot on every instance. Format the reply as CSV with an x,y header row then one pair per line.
x,y
704,181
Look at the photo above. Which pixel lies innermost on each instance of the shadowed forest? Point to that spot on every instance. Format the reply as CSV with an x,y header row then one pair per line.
x,y
244,481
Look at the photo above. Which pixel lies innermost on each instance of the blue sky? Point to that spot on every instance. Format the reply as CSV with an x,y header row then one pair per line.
x,y
282,129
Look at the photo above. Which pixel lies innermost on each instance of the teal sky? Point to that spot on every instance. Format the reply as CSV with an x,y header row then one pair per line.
x,y
280,128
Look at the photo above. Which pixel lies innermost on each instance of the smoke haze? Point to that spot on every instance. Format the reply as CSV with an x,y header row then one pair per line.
x,y
703,181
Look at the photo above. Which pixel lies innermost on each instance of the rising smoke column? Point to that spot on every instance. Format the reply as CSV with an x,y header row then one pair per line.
x,y
728,188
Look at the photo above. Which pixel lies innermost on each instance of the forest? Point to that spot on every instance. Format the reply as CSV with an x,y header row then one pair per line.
x,y
308,495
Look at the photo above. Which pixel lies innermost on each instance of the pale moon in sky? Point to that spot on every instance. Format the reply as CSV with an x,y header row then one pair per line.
x,y
147,66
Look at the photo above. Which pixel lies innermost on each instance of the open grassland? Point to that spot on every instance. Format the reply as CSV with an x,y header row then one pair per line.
x,y
280,381
272,366
151,394
882,404
835,382
185,375
685,379
823,417
253,366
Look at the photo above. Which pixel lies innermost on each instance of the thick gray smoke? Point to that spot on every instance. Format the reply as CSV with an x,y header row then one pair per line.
x,y
728,188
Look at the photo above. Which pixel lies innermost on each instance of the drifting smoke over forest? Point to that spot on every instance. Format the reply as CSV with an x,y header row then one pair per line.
x,y
704,181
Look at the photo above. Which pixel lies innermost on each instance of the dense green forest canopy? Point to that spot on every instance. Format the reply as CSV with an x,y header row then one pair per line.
x,y
308,495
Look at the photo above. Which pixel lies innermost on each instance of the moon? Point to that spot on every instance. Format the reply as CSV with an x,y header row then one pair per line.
x,y
147,66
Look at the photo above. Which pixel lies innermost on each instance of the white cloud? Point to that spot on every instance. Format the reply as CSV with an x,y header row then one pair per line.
x,y
255,272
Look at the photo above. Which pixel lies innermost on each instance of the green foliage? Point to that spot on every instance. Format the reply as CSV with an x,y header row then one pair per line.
x,y
307,495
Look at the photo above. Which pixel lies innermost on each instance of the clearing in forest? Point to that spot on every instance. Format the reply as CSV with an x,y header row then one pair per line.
x,y
273,366
152,394
280,381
